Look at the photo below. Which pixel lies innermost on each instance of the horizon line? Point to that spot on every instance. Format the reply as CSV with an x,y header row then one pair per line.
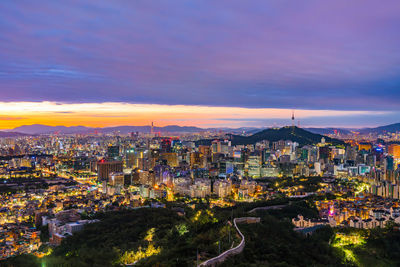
x,y
199,127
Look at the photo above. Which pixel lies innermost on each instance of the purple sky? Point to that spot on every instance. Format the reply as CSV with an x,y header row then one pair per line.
x,y
338,55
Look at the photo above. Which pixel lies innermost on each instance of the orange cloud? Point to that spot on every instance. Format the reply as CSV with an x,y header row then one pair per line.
x,y
114,114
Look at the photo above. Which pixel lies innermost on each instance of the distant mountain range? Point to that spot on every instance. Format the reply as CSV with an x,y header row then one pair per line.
x,y
382,129
377,130
45,129
35,129
11,134
325,131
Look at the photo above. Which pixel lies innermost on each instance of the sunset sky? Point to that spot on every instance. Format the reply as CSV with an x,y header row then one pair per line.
x,y
201,63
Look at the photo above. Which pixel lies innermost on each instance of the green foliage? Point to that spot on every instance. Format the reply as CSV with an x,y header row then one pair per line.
x,y
159,237
21,261
274,243
292,210
182,229
295,134
309,184
117,233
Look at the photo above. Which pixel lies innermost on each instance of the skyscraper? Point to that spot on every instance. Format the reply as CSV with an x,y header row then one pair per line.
x,y
104,168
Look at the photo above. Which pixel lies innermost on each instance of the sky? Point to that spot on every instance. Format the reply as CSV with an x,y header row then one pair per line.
x,y
227,63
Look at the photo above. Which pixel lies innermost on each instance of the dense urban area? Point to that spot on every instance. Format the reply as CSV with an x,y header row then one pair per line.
x,y
277,197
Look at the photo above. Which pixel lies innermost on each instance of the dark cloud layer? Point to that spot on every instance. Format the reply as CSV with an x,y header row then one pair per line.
x,y
338,54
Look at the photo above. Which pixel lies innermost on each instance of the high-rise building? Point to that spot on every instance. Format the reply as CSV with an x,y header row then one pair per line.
x,y
197,160
130,158
171,159
254,166
116,179
364,146
166,145
394,150
113,152
104,168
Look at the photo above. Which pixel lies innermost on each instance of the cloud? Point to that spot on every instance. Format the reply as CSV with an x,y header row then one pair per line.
x,y
115,113
10,118
308,55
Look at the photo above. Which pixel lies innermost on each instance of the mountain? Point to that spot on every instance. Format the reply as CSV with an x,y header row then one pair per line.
x,y
247,130
325,131
147,129
11,134
382,129
45,129
295,134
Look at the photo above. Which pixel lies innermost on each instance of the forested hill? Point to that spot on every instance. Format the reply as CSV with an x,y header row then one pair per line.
x,y
294,134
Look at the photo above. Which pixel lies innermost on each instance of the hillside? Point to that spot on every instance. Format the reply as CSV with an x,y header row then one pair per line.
x,y
127,236
46,129
295,134
172,240
325,131
11,134
382,129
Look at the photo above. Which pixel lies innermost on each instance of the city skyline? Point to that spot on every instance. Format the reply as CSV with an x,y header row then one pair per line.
x,y
199,64
199,133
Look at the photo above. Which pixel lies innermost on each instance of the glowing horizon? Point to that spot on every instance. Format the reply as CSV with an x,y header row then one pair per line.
x,y
108,114
335,63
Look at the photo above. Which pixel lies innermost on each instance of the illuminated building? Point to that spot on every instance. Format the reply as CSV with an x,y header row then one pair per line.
x,y
218,146
130,158
205,150
394,150
317,168
171,159
225,167
166,145
104,168
200,188
324,152
222,188
364,146
116,179
196,160
254,166
113,152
